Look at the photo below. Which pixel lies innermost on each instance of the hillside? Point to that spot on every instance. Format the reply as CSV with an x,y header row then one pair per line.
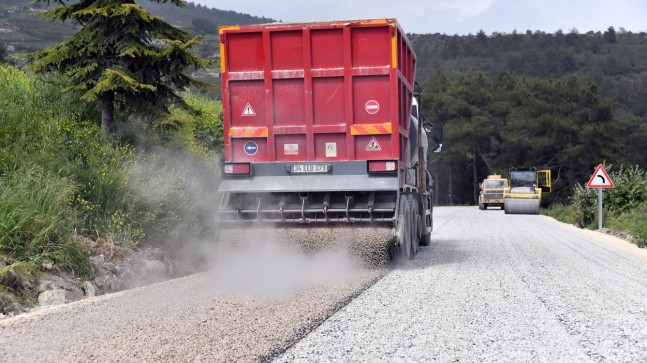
x,y
496,86
23,31
616,61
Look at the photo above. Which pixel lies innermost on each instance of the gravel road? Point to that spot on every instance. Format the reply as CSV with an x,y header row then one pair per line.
x,y
496,288
491,287
212,317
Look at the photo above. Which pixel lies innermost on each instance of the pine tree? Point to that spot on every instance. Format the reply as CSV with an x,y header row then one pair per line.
x,y
122,55
3,52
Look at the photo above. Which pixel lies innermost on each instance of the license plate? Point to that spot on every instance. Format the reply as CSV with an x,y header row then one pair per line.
x,y
309,168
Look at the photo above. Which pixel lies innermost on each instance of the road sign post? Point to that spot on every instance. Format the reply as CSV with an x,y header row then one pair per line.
x,y
599,209
600,180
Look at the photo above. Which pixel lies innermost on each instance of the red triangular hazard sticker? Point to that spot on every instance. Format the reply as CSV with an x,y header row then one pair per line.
x,y
248,110
373,145
600,179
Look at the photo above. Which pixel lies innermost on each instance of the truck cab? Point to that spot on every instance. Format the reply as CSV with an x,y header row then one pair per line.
x,y
491,194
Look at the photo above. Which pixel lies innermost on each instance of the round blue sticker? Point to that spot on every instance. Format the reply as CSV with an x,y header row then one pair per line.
x,y
251,148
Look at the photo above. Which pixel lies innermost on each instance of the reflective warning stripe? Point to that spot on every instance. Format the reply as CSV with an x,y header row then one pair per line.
x,y
394,51
223,59
370,129
247,132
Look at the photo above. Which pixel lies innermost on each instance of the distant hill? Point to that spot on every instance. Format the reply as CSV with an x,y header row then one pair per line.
x,y
23,31
616,61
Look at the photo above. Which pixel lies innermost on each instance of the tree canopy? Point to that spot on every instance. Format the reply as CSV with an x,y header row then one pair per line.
x,y
122,55
492,125
3,52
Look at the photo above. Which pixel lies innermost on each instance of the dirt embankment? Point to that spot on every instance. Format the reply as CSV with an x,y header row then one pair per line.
x,y
114,268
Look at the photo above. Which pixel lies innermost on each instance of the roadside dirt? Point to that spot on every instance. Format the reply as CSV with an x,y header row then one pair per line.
x,y
114,269
616,239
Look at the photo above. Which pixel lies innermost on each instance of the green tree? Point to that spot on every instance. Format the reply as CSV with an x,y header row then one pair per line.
x,y
3,52
122,55
204,26
610,35
481,37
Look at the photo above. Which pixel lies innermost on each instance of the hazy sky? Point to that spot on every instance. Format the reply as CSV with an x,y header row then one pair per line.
x,y
457,16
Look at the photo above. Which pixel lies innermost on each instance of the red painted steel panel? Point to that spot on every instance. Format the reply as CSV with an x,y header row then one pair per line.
x,y
289,102
330,146
373,147
309,83
290,147
331,41
371,47
245,52
247,103
238,148
371,99
329,97
287,50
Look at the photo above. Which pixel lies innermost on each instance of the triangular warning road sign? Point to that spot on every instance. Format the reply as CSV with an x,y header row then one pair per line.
x,y
600,179
373,145
248,110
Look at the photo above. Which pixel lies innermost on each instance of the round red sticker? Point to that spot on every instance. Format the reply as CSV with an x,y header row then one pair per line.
x,y
372,107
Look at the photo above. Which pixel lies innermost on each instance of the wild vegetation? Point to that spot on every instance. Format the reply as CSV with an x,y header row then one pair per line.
x,y
59,180
29,33
3,52
492,125
121,56
625,206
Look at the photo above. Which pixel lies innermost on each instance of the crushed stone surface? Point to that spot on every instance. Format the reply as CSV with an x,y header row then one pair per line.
x,y
201,318
496,288
490,288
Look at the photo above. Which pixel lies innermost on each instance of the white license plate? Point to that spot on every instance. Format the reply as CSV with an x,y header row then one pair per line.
x,y
309,168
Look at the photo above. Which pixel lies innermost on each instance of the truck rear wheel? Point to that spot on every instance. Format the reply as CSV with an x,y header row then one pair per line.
x,y
404,248
414,225
425,223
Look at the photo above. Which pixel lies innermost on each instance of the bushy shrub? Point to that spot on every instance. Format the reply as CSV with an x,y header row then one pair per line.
x,y
584,202
625,205
630,190
62,181
59,176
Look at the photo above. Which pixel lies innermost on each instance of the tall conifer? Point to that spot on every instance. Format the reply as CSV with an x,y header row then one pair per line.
x,y
122,55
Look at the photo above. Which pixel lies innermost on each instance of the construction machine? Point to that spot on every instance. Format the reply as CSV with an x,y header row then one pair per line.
x,y
524,193
491,191
322,132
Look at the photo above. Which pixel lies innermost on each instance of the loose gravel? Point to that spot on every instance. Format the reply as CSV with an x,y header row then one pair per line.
x,y
260,298
490,288
495,288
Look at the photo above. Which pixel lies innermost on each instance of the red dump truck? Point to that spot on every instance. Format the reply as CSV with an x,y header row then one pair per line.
x,y
320,128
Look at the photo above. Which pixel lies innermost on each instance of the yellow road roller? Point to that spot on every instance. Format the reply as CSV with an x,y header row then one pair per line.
x,y
524,191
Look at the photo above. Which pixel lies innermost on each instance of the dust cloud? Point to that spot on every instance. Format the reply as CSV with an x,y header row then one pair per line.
x,y
254,259
263,262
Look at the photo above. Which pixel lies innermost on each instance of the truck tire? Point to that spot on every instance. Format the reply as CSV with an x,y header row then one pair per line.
x,y
427,222
413,220
404,248
481,206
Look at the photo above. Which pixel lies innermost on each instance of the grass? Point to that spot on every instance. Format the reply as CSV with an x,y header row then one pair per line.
x,y
633,222
61,182
561,212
